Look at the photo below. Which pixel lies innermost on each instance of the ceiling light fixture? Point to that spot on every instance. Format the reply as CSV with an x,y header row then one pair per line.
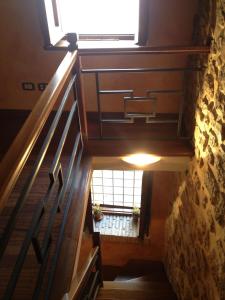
x,y
141,159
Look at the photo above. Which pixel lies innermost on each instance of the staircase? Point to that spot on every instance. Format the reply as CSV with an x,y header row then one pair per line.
x,y
153,285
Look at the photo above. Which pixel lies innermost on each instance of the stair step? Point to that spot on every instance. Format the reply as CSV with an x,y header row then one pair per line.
x,y
135,290
138,285
134,295
148,278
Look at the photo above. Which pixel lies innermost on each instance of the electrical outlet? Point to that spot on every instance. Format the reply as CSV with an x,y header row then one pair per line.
x,y
42,86
28,86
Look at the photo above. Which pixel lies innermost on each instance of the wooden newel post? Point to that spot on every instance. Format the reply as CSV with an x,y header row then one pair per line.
x,y
72,39
97,242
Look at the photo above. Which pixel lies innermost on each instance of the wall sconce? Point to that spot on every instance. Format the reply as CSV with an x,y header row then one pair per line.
x,y
141,159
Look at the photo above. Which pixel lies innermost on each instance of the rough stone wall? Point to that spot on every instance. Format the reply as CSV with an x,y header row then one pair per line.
x,y
195,229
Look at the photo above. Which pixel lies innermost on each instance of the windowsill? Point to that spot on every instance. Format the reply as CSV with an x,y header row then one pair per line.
x,y
117,226
87,46
82,45
117,211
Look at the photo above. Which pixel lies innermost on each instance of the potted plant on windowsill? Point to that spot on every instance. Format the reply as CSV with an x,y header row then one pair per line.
x,y
97,212
136,213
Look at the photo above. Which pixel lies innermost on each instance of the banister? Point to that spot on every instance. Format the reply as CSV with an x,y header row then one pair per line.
x,y
18,153
78,280
104,49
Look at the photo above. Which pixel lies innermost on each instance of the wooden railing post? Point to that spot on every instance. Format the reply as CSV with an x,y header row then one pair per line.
x,y
81,104
97,242
89,216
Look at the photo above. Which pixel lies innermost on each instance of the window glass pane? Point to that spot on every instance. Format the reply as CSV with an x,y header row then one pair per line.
x,y
128,191
128,174
98,198
118,198
138,183
128,183
128,198
97,181
138,175
108,190
137,191
118,174
108,199
118,190
97,173
107,182
97,189
107,174
118,182
93,13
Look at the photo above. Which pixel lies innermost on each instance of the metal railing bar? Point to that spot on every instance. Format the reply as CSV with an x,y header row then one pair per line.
x,y
26,189
98,103
165,91
26,244
106,92
139,98
87,274
141,70
21,257
45,200
36,244
96,292
62,141
70,168
61,196
40,278
61,233
181,108
161,121
139,115
93,285
80,281
121,121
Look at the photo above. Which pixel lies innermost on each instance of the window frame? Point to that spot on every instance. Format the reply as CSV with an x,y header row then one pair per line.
x,y
56,39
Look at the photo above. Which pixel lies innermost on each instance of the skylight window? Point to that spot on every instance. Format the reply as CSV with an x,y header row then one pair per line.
x,y
101,17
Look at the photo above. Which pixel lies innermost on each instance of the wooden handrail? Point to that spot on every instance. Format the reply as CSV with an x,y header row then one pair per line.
x,y
18,153
78,280
85,50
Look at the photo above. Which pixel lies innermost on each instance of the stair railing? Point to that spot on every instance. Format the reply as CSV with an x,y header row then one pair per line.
x,y
85,286
66,80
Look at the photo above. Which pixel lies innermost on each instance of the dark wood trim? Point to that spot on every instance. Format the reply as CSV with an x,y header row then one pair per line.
x,y
89,216
97,243
135,49
125,147
146,199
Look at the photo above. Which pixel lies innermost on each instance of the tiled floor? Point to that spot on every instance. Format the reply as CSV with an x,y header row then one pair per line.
x,y
117,225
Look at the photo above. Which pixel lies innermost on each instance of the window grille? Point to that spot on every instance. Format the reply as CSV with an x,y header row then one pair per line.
x,y
117,188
